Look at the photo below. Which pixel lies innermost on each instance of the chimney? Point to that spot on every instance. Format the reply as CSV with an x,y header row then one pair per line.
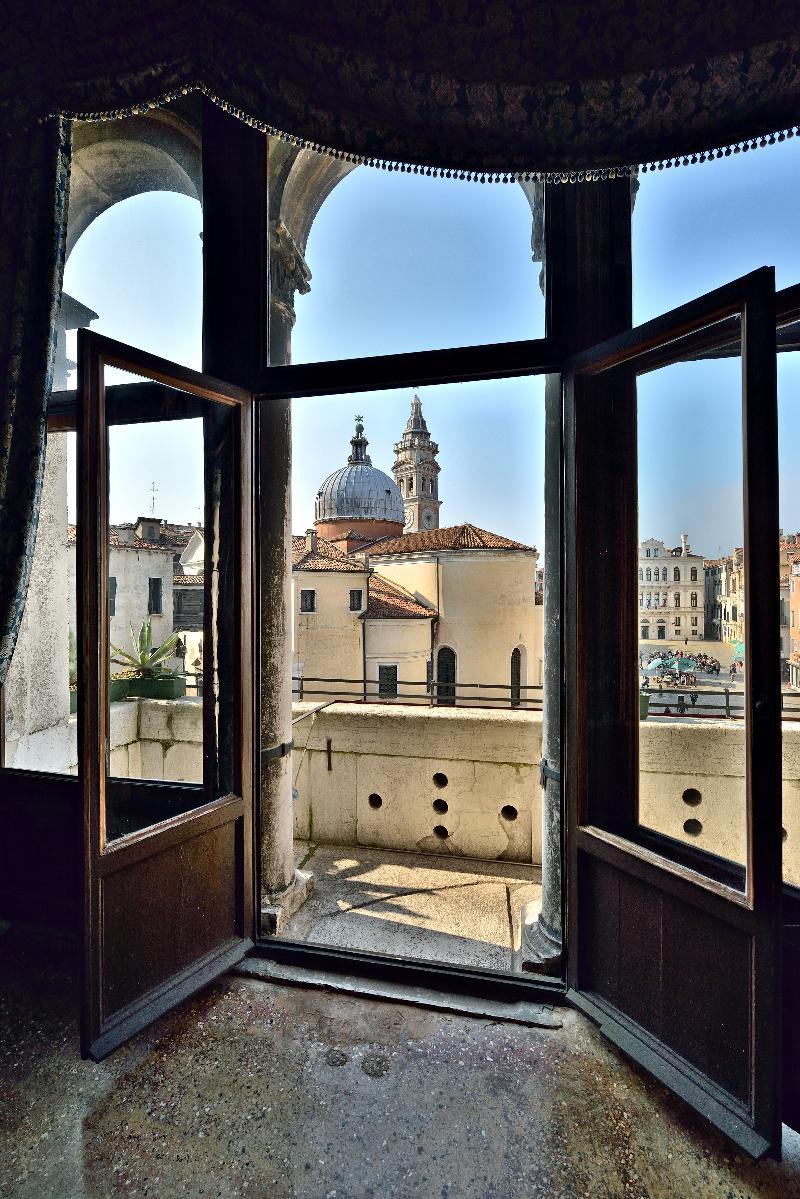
x,y
684,544
311,541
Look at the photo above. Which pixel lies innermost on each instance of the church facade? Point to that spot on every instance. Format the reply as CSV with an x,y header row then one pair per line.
x,y
390,606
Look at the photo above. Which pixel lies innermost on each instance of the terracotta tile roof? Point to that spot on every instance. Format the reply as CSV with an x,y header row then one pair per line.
x,y
388,601
187,580
457,537
326,556
120,537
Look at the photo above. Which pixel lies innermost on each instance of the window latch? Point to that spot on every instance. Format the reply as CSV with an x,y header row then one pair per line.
x,y
547,772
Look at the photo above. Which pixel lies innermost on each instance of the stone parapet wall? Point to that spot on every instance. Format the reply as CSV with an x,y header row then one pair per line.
x,y
491,760
379,775
150,738
433,780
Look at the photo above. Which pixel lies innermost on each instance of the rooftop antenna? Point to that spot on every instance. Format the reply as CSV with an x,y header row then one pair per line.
x,y
153,502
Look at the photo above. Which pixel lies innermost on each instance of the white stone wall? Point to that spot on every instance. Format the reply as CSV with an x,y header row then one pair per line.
x,y
132,568
150,739
37,687
488,759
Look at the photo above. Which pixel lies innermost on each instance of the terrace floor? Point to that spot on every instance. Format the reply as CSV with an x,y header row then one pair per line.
x,y
275,1092
409,905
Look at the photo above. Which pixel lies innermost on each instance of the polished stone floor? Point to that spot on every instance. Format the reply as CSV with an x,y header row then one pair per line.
x,y
272,1092
452,910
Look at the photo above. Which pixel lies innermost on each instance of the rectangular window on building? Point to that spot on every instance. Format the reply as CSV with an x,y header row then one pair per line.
x,y
694,622
308,601
677,622
154,596
356,596
387,682
112,595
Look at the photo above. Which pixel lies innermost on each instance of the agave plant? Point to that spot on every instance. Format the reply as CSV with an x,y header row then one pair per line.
x,y
146,661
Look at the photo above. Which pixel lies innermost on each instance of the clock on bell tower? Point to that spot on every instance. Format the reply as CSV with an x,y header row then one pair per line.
x,y
416,473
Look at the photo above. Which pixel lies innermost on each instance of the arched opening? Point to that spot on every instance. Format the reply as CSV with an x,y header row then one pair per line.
x,y
446,676
518,676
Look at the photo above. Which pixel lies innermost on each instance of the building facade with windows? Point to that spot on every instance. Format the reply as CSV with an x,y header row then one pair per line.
x,y
671,592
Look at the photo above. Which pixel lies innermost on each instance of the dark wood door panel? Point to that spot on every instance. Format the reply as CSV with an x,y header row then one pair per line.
x,y
676,971
161,913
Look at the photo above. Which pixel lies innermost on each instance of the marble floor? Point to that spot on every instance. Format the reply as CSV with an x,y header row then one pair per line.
x,y
443,909
259,1090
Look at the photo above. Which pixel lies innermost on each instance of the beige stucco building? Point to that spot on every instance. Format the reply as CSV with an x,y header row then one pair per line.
x,y
440,616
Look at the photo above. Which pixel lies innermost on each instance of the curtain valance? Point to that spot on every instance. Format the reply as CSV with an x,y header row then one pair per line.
x,y
504,87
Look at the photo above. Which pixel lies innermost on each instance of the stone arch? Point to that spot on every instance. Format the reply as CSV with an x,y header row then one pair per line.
x,y
114,160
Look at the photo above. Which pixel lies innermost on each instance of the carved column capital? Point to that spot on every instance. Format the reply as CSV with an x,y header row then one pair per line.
x,y
289,272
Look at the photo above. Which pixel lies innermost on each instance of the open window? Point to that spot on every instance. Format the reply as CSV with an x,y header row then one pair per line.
x,y
168,887
673,950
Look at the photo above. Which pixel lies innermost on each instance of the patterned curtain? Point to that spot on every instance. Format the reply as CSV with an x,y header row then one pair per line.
x,y
512,86
34,180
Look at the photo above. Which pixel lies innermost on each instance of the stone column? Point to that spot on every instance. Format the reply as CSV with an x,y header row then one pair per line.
x,y
588,278
283,887
542,933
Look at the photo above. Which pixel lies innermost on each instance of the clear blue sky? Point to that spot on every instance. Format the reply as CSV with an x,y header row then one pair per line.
x,y
407,262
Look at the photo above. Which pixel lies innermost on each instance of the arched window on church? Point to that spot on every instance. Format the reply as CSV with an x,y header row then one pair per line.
x,y
676,574
664,575
446,676
518,676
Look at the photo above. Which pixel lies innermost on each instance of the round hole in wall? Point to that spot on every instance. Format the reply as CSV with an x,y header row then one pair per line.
x,y
692,797
440,831
692,827
374,800
439,779
440,805
784,834
509,812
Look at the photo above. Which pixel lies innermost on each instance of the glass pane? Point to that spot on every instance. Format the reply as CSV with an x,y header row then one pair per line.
x,y
398,262
788,433
695,229
691,606
156,599
40,693
416,784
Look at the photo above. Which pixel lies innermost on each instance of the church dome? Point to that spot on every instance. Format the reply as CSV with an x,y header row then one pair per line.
x,y
359,491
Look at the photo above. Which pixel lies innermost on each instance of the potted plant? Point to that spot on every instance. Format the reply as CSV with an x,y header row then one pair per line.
x,y
150,678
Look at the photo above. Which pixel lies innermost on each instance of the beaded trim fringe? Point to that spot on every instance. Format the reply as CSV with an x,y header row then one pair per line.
x,y
586,175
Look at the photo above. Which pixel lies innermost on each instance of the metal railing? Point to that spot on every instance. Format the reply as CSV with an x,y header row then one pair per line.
x,y
724,703
525,697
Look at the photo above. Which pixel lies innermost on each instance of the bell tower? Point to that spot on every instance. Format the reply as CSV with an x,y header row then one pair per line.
x,y
416,473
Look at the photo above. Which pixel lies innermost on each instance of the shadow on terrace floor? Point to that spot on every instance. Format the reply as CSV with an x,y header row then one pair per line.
x,y
255,1089
434,908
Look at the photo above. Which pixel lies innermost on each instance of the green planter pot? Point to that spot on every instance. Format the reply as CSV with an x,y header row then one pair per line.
x,y
118,689
73,702
157,688
644,705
